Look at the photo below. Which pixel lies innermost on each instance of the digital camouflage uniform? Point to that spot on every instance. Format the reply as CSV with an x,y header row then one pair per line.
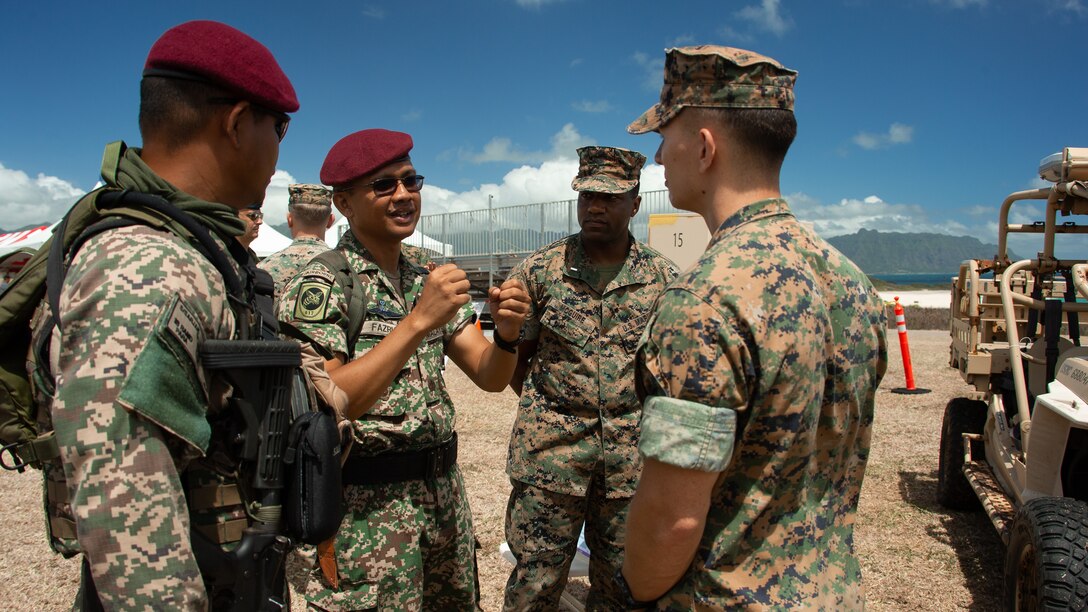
x,y
284,264
406,545
133,411
574,446
778,341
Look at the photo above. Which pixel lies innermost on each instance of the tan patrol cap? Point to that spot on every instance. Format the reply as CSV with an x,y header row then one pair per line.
x,y
307,193
717,77
607,170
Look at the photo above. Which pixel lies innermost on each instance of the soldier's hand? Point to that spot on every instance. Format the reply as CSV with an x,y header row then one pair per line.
x,y
509,306
444,292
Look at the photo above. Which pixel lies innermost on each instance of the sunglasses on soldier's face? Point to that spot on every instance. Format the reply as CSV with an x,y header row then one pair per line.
x,y
282,119
388,186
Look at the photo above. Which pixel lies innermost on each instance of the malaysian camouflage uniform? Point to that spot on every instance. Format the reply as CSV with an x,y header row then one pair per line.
x,y
762,362
574,448
132,409
284,264
405,545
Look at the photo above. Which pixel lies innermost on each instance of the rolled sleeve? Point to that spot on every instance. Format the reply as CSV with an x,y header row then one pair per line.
x,y
687,434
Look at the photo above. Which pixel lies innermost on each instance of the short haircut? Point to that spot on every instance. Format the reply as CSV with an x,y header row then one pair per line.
x,y
310,215
765,133
173,111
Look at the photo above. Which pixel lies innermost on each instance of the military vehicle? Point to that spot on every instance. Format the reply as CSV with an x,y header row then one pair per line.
x,y
1016,446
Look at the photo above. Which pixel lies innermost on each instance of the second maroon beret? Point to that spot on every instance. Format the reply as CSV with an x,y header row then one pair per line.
x,y
361,153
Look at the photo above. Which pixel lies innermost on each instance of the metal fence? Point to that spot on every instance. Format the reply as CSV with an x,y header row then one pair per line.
x,y
520,230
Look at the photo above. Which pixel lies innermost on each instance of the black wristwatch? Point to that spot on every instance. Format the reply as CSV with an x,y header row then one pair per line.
x,y
509,347
629,601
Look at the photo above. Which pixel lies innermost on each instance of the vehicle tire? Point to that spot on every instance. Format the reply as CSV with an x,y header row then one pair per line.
x,y
1046,565
961,416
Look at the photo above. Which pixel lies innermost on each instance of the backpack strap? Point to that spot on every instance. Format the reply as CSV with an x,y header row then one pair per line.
x,y
238,290
337,263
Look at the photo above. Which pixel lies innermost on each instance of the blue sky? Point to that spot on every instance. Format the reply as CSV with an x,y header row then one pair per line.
x,y
914,115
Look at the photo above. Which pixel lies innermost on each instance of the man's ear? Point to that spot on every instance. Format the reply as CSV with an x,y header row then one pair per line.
x,y
233,124
708,149
635,205
290,220
340,201
331,221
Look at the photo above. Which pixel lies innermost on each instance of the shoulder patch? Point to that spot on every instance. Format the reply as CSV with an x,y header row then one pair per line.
x,y
312,301
320,272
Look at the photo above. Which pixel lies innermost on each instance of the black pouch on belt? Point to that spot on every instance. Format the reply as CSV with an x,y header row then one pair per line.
x,y
312,504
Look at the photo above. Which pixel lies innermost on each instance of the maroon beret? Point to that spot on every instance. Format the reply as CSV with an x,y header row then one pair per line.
x,y
219,54
362,152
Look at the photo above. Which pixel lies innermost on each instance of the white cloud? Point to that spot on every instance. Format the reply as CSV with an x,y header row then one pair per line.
x,y
374,12
576,62
40,200
1071,6
897,134
535,4
592,106
275,198
502,149
766,16
960,4
412,115
653,70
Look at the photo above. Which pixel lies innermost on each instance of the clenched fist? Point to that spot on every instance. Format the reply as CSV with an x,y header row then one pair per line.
x,y
509,306
444,292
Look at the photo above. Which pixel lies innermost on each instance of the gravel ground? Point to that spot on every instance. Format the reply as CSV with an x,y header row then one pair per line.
x,y
914,554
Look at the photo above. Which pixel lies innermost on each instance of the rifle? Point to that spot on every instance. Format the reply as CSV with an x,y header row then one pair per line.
x,y
262,373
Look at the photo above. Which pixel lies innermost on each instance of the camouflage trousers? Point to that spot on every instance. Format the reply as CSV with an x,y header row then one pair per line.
x,y
542,529
403,546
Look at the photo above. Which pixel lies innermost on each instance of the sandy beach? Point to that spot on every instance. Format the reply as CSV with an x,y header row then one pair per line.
x,y
926,298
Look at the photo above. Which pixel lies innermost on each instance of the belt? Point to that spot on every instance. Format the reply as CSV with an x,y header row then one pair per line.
x,y
426,464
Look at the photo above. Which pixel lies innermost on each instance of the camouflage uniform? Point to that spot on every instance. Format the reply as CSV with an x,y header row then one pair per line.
x,y
761,363
405,545
573,451
132,409
796,335
283,265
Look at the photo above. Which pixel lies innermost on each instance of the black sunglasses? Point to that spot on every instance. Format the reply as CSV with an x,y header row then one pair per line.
x,y
388,186
282,119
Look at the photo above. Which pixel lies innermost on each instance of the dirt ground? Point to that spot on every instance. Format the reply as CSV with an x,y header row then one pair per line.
x,y
914,554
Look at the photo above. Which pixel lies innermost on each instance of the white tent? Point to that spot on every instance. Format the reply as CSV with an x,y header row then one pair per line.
x,y
269,241
418,238
26,239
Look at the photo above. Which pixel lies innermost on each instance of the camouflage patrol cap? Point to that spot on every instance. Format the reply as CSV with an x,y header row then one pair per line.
x,y
304,193
607,170
717,77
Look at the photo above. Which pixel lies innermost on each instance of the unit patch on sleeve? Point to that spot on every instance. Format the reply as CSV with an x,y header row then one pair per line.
x,y
312,301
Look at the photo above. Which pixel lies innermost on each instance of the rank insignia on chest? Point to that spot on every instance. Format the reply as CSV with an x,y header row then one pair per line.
x,y
312,301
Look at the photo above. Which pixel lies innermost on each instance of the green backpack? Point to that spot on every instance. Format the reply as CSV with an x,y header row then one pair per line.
x,y
22,444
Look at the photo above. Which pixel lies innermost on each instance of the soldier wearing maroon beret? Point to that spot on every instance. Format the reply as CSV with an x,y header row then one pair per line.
x,y
406,542
148,462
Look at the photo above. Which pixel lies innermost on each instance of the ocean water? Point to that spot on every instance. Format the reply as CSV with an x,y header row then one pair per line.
x,y
935,280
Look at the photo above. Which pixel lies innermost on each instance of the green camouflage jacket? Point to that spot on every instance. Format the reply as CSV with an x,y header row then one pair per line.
x,y
415,412
578,414
284,264
776,328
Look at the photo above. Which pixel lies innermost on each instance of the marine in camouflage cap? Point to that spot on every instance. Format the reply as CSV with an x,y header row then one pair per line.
x,y
573,457
717,77
608,170
309,216
755,425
